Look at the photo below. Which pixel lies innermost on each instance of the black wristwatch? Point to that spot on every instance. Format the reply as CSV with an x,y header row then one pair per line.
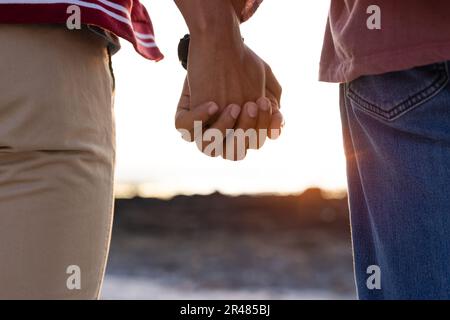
x,y
183,50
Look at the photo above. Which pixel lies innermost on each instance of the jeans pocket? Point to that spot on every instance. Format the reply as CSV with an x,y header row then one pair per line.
x,y
391,95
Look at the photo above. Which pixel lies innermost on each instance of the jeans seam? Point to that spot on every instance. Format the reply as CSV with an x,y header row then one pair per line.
x,y
345,106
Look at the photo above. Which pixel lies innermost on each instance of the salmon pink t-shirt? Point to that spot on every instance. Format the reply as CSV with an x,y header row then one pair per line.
x,y
367,37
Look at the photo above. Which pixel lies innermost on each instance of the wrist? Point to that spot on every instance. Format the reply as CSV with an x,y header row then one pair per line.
x,y
223,42
210,19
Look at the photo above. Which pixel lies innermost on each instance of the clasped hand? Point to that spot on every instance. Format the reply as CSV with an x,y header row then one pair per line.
x,y
230,101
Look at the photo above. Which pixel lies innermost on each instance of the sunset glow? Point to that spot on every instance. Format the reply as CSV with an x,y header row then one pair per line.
x,y
154,161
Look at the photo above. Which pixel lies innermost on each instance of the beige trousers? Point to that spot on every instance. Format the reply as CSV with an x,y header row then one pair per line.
x,y
57,150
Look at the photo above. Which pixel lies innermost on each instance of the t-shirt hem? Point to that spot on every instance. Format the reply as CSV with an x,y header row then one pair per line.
x,y
388,61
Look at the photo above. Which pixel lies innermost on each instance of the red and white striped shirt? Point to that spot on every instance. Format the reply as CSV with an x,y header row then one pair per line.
x,y
127,19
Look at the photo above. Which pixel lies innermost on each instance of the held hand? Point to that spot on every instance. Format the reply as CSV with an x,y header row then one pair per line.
x,y
217,133
237,75
225,74
194,124
222,69
270,120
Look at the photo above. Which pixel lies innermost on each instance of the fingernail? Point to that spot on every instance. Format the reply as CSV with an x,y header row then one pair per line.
x,y
213,108
275,133
252,110
235,111
265,105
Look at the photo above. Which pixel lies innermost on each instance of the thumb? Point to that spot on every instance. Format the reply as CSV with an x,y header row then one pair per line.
x,y
187,120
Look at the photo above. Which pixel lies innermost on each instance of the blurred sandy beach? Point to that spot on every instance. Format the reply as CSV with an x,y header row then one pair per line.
x,y
220,247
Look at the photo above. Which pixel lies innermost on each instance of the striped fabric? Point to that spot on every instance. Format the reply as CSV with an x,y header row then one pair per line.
x,y
127,19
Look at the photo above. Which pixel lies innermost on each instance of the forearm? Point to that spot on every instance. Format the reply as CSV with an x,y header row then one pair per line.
x,y
211,19
215,42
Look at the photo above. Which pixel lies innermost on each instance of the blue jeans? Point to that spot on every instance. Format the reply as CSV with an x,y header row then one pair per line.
x,y
396,129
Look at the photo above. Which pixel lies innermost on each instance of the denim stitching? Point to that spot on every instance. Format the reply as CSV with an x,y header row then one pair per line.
x,y
410,103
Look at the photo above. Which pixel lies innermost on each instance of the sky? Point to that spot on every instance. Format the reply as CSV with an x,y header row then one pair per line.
x,y
153,160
